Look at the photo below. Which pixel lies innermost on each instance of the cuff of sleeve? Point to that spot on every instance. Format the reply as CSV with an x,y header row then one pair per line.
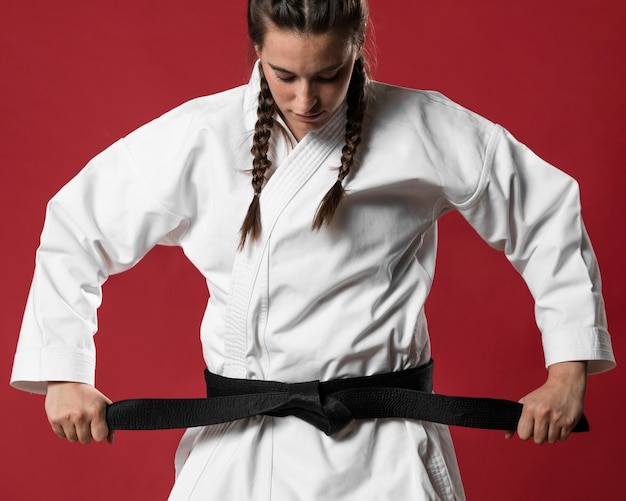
x,y
32,369
592,344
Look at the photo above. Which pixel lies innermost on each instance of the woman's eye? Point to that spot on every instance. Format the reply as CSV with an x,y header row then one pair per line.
x,y
284,78
327,78
319,78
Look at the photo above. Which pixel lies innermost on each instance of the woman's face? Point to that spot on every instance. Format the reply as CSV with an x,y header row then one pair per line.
x,y
308,75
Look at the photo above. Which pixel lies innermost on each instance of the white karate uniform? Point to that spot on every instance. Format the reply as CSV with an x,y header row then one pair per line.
x,y
299,304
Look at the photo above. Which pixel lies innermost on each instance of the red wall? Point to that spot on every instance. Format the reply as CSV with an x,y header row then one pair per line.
x,y
77,75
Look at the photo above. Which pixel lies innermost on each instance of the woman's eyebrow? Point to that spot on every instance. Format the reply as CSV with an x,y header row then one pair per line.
x,y
323,70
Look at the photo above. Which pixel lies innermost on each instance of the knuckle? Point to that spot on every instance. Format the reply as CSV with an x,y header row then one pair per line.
x,y
538,410
94,407
543,411
568,422
75,416
557,417
54,421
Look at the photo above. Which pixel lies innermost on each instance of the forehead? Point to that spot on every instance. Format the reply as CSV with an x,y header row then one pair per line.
x,y
304,53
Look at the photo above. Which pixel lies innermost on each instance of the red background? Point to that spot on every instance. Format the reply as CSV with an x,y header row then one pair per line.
x,y
77,75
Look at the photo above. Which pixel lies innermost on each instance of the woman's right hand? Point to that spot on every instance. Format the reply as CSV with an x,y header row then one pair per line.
x,y
76,411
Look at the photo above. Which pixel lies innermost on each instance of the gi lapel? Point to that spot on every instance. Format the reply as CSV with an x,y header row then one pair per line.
x,y
293,173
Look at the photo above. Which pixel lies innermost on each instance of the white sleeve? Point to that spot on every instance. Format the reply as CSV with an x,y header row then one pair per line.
x,y
102,222
531,211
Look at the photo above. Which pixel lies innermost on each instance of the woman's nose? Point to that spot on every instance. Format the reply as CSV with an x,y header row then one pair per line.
x,y
307,96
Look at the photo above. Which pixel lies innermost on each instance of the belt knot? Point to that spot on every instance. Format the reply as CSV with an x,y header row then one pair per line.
x,y
308,402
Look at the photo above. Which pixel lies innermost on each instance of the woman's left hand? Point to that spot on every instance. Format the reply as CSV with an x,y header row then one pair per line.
x,y
552,410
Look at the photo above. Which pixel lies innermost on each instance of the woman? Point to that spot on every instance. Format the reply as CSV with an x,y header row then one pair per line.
x,y
328,274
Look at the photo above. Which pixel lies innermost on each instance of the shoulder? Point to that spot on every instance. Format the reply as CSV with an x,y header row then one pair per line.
x,y
401,106
215,110
441,139
173,152
216,123
429,121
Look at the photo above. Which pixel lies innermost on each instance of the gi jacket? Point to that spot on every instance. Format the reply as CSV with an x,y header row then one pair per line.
x,y
299,304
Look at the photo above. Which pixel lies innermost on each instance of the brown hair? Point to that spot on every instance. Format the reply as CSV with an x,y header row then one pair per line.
x,y
307,17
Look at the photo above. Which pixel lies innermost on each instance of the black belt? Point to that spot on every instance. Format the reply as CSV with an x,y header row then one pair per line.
x,y
328,405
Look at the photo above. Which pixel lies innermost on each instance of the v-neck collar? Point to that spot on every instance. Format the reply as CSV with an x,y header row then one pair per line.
x,y
292,173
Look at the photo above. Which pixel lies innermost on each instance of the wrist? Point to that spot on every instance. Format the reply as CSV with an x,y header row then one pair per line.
x,y
572,370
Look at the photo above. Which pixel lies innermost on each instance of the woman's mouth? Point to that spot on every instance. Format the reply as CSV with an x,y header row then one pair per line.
x,y
309,117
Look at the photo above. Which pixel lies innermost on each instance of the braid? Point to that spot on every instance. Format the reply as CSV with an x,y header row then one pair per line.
x,y
356,100
260,163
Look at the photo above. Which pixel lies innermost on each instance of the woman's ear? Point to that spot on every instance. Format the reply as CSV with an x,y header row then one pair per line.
x,y
358,51
257,50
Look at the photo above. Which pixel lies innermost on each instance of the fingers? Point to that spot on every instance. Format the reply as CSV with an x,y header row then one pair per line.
x,y
81,428
526,425
66,428
543,426
83,431
99,429
77,412
550,412
565,433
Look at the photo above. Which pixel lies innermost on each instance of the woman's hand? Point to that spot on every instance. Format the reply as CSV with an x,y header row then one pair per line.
x,y
551,411
76,411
